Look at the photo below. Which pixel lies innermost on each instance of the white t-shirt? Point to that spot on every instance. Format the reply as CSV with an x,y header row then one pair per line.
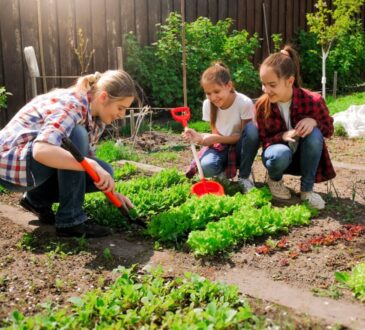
x,y
229,120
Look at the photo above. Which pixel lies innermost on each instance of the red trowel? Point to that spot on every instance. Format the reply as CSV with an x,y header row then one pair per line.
x,y
182,115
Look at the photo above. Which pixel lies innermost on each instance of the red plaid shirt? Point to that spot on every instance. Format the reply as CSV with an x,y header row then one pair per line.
x,y
305,104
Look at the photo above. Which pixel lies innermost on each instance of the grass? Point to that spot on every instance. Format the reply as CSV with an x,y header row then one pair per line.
x,y
343,102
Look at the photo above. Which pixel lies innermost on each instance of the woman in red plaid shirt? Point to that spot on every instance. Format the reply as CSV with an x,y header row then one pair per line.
x,y
32,159
292,124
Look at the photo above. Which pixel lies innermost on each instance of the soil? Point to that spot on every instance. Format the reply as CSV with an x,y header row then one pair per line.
x,y
54,269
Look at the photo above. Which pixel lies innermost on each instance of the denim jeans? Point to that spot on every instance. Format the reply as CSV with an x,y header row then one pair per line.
x,y
64,186
214,162
279,159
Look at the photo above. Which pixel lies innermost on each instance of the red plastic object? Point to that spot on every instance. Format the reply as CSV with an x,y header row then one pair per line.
x,y
207,187
182,115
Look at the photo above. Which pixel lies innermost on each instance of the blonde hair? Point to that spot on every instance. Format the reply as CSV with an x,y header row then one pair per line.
x,y
219,74
117,83
285,64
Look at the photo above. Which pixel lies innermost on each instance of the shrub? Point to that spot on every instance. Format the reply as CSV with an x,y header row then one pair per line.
x,y
340,130
3,97
346,57
158,67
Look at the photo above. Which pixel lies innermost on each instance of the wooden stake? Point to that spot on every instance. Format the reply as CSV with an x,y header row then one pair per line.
x,y
183,43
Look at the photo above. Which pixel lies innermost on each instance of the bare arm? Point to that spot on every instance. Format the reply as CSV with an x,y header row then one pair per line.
x,y
57,157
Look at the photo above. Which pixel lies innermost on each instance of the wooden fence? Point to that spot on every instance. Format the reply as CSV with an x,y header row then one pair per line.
x,y
49,25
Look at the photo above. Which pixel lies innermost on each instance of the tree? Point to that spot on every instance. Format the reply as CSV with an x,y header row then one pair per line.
x,y
328,24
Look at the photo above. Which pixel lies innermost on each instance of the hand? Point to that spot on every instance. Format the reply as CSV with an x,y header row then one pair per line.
x,y
192,136
305,126
289,136
125,200
106,182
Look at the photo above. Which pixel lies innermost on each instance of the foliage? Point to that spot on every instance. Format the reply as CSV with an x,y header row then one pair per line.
x,y
328,24
148,302
158,67
340,130
355,281
277,40
109,151
343,102
126,170
346,58
247,223
150,196
176,223
3,97
200,126
81,51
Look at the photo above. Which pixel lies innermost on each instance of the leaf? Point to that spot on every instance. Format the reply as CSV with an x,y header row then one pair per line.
x,y
342,277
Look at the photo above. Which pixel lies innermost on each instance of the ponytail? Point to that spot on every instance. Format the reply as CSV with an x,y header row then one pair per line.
x,y
285,64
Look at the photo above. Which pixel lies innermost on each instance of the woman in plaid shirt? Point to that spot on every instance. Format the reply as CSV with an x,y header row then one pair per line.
x,y
32,159
292,124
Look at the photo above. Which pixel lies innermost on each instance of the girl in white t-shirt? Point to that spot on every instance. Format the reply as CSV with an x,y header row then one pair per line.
x,y
234,140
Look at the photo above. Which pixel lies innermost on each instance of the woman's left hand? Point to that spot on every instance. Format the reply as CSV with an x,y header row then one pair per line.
x,y
125,200
305,126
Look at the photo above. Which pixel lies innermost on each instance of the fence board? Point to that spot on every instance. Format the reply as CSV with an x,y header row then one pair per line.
x,y
141,21
50,42
154,17
12,57
127,14
302,18
113,33
222,9
274,22
166,9
202,9
29,33
212,10
233,12
66,31
99,36
258,27
190,10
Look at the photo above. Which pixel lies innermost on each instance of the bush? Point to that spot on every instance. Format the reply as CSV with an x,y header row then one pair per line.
x,y
346,57
158,67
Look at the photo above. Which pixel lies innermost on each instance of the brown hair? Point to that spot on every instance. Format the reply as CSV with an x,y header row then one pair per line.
x,y
285,64
219,74
117,83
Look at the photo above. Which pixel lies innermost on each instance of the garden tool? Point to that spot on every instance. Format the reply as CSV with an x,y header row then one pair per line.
x,y
182,115
69,146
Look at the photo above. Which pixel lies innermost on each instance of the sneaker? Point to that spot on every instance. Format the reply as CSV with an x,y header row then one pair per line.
x,y
246,184
314,199
44,214
86,229
278,189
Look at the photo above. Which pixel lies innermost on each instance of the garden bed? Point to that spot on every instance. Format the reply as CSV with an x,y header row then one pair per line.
x,y
42,267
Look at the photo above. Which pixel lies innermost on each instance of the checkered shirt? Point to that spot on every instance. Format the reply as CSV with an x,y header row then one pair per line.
x,y
46,118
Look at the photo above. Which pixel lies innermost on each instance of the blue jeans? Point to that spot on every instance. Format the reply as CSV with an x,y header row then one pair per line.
x,y
214,162
64,186
279,159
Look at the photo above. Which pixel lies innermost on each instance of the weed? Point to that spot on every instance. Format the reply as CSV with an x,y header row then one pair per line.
x,y
84,57
333,291
27,242
107,254
340,130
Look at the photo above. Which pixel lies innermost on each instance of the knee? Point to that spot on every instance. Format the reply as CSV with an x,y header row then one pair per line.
x,y
209,168
107,167
314,140
80,139
251,132
278,160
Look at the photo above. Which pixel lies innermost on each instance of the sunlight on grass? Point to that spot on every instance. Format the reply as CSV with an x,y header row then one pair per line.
x,y
342,103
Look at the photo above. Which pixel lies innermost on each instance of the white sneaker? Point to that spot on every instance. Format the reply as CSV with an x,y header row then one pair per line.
x,y
314,199
246,184
278,189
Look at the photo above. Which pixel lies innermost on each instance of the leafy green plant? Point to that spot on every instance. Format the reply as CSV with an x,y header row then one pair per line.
x,y
200,126
126,170
277,40
340,130
109,151
354,280
148,301
27,242
3,97
159,66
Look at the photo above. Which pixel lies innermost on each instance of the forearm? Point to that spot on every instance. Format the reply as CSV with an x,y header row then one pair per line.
x,y
55,156
209,139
